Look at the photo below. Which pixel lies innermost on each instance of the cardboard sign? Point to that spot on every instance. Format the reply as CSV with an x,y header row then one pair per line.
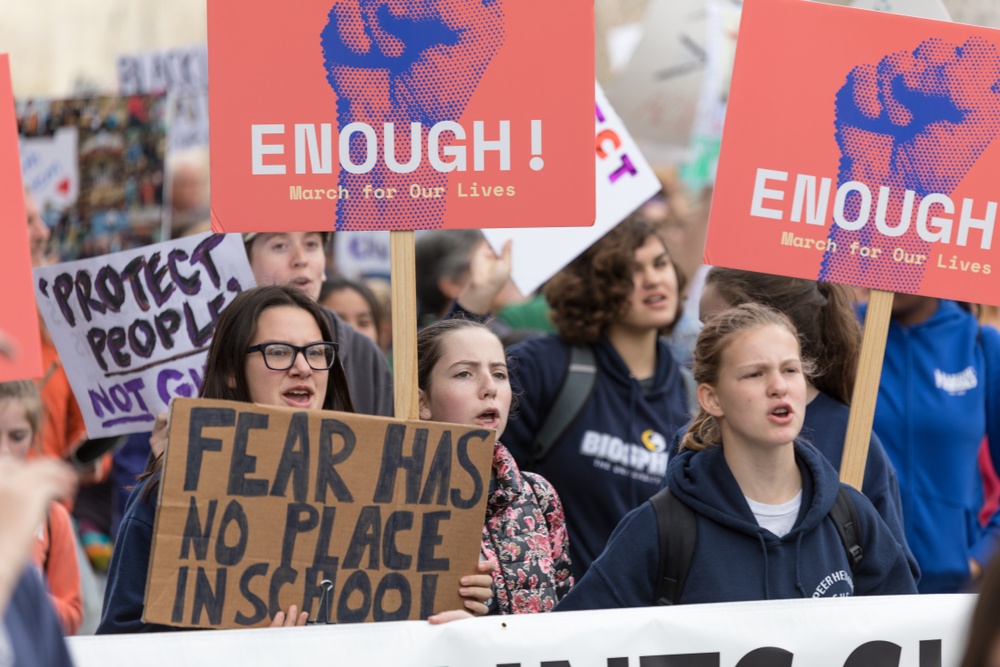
x,y
18,318
400,116
112,198
260,505
624,182
868,160
133,328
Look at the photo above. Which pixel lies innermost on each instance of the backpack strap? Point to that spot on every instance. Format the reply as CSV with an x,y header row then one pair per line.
x,y
845,517
678,532
577,387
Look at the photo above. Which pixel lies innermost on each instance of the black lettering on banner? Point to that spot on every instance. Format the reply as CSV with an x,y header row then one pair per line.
x,y
393,581
439,475
131,274
391,557
243,464
202,418
299,518
62,287
199,336
875,654
294,460
167,324
681,660
189,285
97,338
930,653
767,656
428,591
110,288
208,599
147,346
282,576
429,539
327,477
154,278
84,286
202,254
193,533
357,582
177,613
116,346
470,468
232,555
393,459
259,607
366,536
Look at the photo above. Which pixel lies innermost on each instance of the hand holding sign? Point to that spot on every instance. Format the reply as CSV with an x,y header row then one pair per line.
x,y
920,120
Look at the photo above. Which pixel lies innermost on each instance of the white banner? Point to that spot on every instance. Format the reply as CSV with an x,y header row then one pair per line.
x,y
910,631
624,182
132,328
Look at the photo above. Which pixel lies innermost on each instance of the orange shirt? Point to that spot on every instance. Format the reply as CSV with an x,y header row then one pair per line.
x,y
55,554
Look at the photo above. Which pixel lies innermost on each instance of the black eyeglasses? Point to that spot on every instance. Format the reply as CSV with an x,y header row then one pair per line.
x,y
281,356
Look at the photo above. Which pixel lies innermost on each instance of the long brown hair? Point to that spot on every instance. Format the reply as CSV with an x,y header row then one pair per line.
x,y
829,331
225,368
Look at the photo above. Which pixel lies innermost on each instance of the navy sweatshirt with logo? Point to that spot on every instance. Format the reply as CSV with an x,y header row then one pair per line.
x,y
613,457
734,558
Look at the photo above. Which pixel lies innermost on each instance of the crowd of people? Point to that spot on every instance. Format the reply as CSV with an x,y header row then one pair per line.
x,y
603,417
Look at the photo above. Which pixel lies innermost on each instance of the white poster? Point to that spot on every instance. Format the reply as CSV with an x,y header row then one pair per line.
x,y
624,182
132,328
50,167
902,631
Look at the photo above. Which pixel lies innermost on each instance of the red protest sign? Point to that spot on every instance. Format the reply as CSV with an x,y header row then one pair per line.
x,y
438,114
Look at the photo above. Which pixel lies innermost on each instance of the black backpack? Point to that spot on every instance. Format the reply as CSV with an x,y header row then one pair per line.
x,y
678,533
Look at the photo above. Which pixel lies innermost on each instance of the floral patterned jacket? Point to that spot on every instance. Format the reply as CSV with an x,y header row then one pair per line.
x,y
525,532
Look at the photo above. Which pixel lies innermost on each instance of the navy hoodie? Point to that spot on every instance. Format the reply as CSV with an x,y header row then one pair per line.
x,y
937,398
825,427
31,626
614,456
735,559
124,594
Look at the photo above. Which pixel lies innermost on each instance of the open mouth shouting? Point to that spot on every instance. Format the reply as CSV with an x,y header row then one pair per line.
x,y
489,418
781,414
298,397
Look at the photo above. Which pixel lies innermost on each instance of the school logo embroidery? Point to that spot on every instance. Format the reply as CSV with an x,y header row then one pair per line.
x,y
837,584
956,384
645,463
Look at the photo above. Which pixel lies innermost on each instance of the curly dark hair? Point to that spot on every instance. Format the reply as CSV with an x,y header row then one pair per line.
x,y
592,292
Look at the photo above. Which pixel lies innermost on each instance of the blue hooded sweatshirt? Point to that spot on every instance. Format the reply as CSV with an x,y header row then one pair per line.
x,y
825,428
734,558
938,396
614,456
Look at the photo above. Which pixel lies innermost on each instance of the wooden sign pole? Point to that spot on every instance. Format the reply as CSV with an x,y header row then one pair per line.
x,y
404,324
859,424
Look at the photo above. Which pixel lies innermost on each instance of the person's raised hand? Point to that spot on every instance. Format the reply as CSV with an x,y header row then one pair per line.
x,y
26,489
488,275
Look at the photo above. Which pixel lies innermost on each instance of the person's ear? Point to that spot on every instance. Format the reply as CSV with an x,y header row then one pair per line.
x,y
708,399
423,405
231,381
